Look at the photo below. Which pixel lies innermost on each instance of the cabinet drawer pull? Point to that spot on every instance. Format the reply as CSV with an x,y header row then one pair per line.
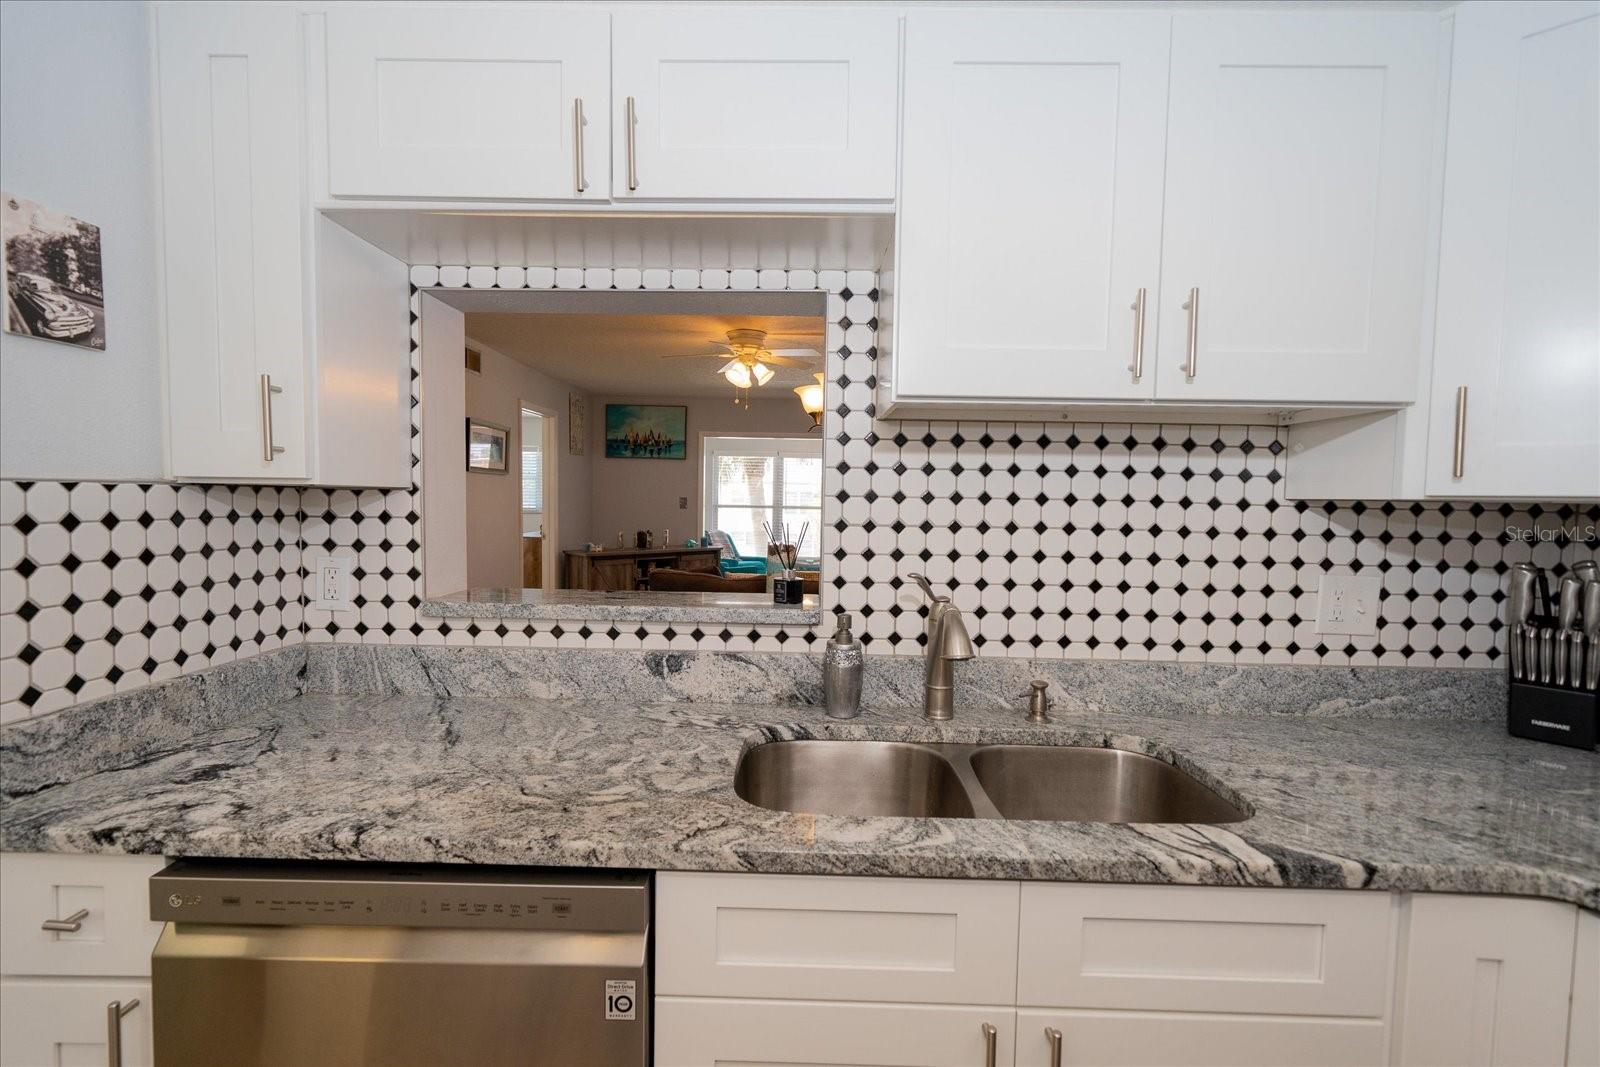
x,y
70,925
1458,455
630,123
990,1037
269,451
114,1013
1052,1035
579,179
1138,335
1191,362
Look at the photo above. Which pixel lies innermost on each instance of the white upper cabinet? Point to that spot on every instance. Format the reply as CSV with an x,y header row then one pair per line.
x,y
747,104
285,336
1298,157
232,138
468,103
1030,204
1517,343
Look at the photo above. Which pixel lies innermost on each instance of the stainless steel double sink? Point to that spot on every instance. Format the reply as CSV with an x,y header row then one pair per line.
x,y
946,781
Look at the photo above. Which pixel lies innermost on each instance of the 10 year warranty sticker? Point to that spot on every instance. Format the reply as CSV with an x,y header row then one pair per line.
x,y
620,1003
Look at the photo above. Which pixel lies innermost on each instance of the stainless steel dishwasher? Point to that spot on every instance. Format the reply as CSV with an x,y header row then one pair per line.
x,y
309,964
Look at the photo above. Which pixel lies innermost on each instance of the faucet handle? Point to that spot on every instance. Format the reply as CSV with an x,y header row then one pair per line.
x,y
1039,702
927,587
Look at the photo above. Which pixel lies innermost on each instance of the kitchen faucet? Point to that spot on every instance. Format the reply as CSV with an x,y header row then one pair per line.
x,y
947,642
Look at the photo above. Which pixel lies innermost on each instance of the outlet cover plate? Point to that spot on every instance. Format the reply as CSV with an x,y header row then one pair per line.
x,y
1348,604
333,581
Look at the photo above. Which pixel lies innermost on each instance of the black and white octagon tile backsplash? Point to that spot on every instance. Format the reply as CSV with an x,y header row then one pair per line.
x,y
108,587
1057,540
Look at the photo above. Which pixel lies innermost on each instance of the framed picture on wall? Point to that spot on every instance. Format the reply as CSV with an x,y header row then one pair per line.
x,y
577,423
51,269
646,431
488,447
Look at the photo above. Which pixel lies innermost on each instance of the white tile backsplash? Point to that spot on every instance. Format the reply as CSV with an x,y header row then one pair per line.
x,y
1059,540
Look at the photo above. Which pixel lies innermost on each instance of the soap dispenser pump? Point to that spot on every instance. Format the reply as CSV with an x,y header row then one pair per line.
x,y
843,662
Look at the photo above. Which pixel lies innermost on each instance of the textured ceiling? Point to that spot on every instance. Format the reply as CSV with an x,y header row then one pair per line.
x,y
615,354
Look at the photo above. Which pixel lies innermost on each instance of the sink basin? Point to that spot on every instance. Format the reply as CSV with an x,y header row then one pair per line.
x,y
852,778
916,780
1094,785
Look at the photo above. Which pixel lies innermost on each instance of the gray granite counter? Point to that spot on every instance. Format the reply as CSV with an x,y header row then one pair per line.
x,y
1431,802
646,606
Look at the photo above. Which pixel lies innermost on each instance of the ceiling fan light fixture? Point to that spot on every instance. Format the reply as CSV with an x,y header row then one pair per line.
x,y
811,400
737,373
762,373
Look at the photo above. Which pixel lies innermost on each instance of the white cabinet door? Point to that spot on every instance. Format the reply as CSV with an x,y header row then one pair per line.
x,y
890,939
1192,1039
1030,204
1583,1029
114,935
1518,322
1486,980
1298,156
702,1032
747,104
1204,948
64,1022
468,102
232,184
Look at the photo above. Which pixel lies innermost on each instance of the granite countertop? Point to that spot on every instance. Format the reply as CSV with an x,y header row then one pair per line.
x,y
1345,802
645,606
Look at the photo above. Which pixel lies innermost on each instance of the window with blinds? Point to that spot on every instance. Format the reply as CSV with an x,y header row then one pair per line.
x,y
754,480
532,478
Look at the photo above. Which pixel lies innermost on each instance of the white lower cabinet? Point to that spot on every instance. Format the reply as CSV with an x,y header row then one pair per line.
x,y
65,1022
1114,1038
62,987
1487,981
701,1032
770,969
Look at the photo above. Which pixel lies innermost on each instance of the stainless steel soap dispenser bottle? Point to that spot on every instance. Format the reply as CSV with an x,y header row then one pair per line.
x,y
842,664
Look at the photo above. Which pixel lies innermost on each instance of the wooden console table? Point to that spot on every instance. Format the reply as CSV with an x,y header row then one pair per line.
x,y
612,570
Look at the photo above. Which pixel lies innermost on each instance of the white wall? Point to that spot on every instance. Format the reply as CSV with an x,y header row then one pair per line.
x,y
644,494
75,108
494,501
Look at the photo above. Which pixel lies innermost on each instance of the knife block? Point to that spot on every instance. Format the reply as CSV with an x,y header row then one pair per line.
x,y
1548,713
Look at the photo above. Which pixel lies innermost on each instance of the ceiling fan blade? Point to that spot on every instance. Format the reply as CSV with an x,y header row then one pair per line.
x,y
695,355
784,361
797,353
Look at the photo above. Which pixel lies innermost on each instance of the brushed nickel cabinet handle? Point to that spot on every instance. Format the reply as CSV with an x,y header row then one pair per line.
x,y
70,925
1458,456
991,1037
1192,306
630,124
269,450
579,179
1052,1035
114,1013
1138,335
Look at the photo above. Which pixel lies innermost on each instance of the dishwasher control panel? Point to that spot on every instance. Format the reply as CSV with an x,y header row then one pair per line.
x,y
399,895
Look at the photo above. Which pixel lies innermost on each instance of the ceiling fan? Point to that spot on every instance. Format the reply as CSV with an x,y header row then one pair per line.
x,y
752,360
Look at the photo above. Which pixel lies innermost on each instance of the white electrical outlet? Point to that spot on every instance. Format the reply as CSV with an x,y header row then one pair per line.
x,y
1348,604
332,582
